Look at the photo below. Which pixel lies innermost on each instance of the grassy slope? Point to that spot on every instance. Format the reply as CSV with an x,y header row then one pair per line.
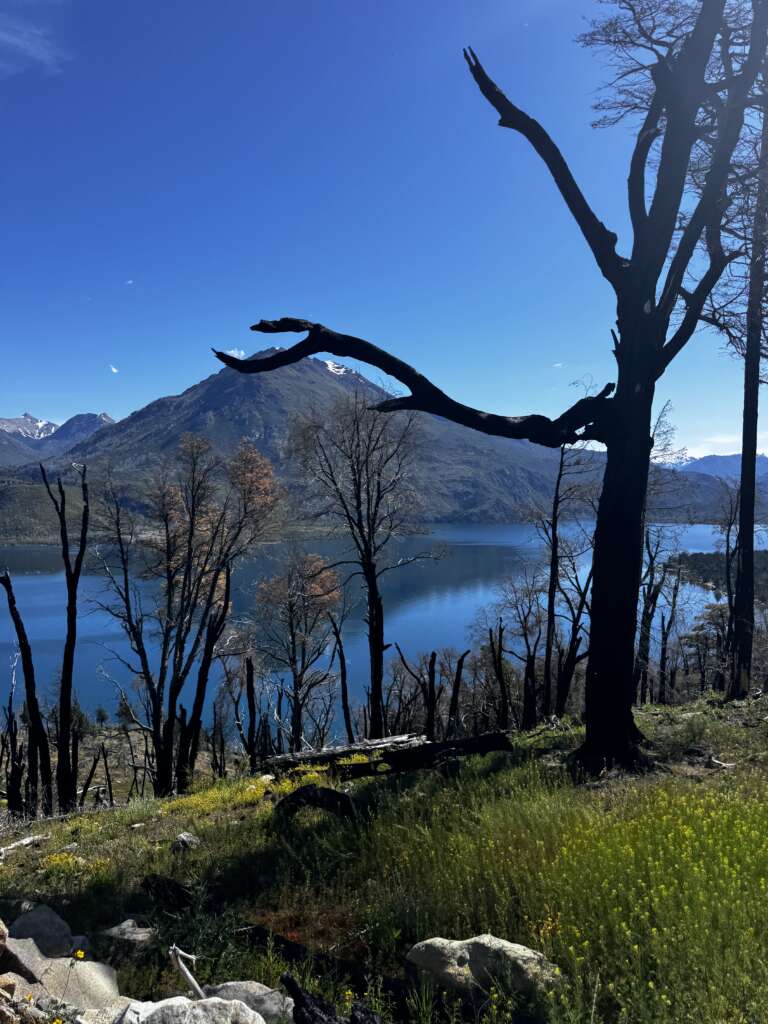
x,y
651,894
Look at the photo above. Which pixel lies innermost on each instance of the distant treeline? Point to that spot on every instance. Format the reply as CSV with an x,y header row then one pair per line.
x,y
708,568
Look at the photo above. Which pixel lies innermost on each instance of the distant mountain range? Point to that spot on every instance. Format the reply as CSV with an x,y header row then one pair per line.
x,y
27,437
461,475
28,426
727,467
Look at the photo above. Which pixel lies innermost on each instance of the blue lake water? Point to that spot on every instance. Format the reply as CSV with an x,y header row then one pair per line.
x,y
428,605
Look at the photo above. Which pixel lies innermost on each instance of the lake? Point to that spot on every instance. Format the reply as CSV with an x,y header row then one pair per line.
x,y
429,604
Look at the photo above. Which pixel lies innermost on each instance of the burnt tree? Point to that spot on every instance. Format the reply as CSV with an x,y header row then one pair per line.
x,y
744,591
169,588
656,313
39,771
360,466
67,738
294,635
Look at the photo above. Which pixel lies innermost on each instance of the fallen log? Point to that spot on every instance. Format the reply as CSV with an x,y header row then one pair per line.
x,y
432,755
287,762
398,753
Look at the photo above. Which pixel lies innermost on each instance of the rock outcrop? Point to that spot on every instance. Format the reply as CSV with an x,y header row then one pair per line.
x,y
51,933
476,964
82,983
180,1010
184,842
271,1003
129,933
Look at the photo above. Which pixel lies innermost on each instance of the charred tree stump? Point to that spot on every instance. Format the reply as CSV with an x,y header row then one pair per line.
x,y
309,1009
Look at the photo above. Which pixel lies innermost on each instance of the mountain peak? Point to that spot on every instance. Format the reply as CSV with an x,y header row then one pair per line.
x,y
28,426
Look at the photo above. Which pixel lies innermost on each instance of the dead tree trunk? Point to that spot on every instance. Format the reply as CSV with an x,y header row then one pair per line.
x,y
427,685
453,708
189,731
552,589
667,625
67,741
343,678
107,775
250,697
744,594
612,735
38,745
653,583
14,775
376,648
530,714
496,645
571,655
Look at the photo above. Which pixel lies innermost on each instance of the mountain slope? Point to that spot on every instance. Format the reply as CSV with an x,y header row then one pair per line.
x,y
25,438
461,474
726,466
13,450
75,430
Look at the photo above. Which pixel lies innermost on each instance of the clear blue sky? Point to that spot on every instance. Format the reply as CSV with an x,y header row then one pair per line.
x,y
173,171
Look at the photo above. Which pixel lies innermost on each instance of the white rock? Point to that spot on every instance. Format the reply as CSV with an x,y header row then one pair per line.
x,y
51,933
185,841
271,1003
181,1010
483,961
107,1014
82,983
130,932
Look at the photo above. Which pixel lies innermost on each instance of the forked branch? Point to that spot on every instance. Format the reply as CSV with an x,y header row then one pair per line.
x,y
586,418
601,241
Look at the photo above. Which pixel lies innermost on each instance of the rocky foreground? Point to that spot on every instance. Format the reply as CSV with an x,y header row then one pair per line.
x,y
49,976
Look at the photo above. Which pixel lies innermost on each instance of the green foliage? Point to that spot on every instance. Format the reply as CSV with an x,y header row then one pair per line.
x,y
650,894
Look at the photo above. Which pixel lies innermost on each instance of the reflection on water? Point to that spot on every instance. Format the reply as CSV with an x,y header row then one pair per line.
x,y
429,604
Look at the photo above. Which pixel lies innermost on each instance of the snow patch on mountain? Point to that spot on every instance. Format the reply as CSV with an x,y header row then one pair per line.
x,y
336,368
28,426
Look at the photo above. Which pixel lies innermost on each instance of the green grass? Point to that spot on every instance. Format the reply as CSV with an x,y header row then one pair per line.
x,y
651,897
649,893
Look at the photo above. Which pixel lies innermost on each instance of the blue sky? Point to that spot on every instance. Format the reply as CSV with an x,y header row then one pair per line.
x,y
174,171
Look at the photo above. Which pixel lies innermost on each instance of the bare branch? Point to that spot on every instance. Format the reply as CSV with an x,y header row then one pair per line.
x,y
601,241
425,396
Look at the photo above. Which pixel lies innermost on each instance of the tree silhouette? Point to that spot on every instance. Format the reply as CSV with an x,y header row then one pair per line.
x,y
700,80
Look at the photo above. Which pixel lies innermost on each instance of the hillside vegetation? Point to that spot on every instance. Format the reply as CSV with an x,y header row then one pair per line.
x,y
709,568
649,893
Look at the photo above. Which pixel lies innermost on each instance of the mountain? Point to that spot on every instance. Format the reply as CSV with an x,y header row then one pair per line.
x,y
75,430
728,467
460,475
13,450
26,438
28,427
